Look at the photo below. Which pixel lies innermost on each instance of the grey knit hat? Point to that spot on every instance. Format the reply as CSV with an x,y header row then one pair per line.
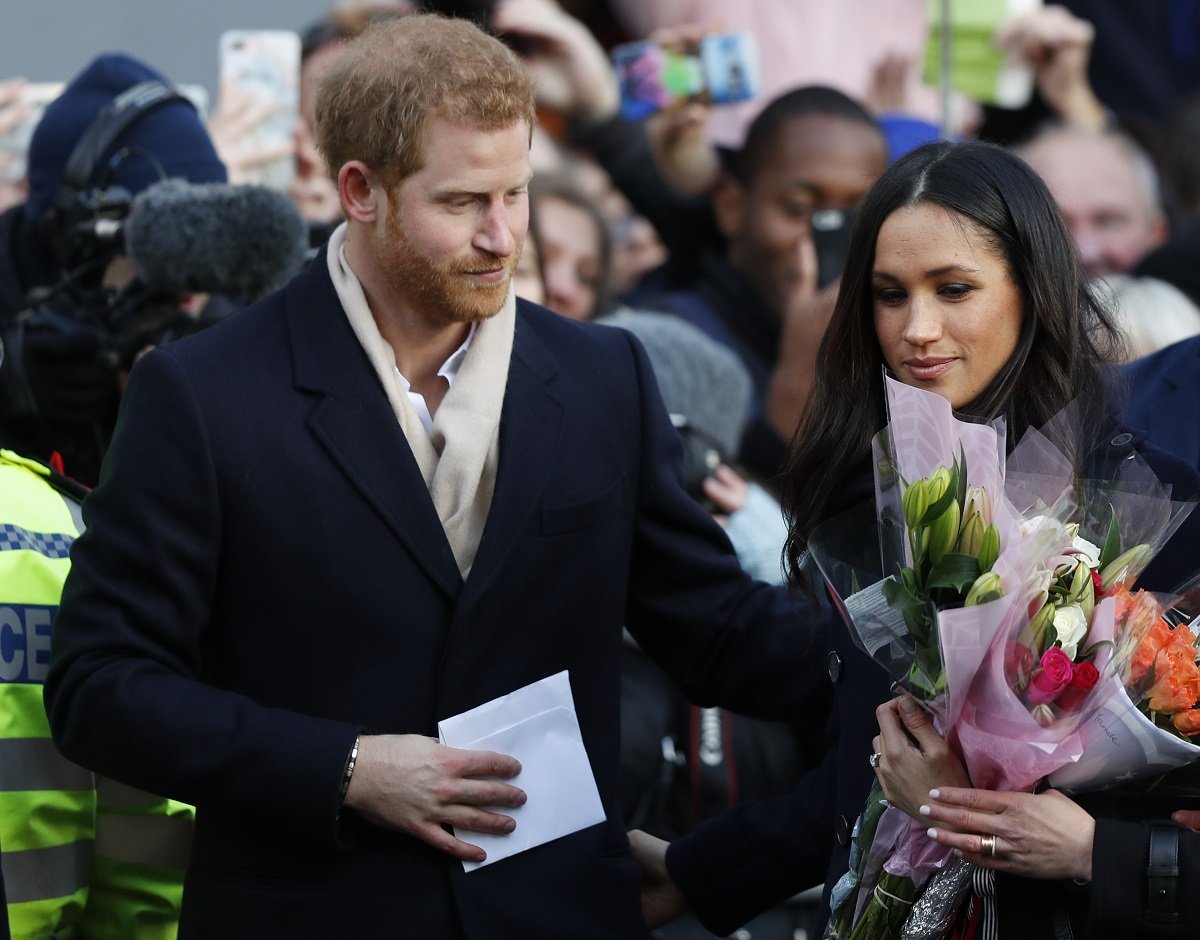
x,y
701,380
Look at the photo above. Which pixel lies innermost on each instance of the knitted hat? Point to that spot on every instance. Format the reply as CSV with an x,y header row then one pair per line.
x,y
699,378
172,133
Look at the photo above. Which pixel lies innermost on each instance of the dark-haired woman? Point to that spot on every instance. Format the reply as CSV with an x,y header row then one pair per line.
x,y
962,279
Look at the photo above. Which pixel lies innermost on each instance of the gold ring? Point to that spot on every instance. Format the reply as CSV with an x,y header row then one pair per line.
x,y
874,759
987,846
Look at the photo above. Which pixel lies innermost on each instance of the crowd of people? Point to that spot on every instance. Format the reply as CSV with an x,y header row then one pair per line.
x,y
508,383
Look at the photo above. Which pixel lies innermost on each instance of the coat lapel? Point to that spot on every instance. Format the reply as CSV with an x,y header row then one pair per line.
x,y
353,422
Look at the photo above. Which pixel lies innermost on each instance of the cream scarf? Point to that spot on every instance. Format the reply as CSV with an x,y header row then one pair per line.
x,y
459,458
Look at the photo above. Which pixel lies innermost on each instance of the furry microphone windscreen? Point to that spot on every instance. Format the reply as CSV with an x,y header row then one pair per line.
x,y
240,241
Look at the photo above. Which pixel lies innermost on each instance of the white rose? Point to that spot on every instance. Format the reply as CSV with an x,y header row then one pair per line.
x,y
1071,626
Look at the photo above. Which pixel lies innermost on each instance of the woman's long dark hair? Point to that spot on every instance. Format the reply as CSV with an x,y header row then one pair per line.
x,y
1065,342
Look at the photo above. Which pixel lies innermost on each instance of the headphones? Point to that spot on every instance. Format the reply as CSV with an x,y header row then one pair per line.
x,y
83,199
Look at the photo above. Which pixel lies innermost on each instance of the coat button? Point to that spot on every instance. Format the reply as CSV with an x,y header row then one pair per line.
x,y
1121,439
841,829
835,667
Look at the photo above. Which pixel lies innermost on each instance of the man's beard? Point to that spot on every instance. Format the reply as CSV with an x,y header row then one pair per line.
x,y
444,295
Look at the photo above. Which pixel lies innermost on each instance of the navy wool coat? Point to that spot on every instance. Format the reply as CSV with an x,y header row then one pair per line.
x,y
264,577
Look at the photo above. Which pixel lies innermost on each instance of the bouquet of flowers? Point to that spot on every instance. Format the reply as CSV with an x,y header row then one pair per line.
x,y
1146,713
990,607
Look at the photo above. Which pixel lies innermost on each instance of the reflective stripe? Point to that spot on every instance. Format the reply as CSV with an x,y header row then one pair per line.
x,y
76,511
43,874
35,764
50,544
161,841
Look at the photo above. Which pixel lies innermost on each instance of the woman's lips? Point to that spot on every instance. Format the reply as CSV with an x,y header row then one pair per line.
x,y
926,370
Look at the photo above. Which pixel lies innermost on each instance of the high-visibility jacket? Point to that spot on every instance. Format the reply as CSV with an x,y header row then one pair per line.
x,y
81,856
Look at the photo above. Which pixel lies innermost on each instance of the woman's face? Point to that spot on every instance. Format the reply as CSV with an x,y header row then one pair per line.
x,y
947,311
572,258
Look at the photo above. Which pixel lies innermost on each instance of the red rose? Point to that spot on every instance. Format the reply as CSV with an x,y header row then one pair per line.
x,y
1051,677
1083,679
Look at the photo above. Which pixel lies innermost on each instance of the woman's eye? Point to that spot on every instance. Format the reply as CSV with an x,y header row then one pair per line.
x,y
955,291
889,295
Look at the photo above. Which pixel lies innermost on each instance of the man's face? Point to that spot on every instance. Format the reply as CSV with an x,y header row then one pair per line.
x,y
818,162
452,234
1105,205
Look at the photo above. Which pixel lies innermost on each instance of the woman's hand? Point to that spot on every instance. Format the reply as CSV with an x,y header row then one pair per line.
x,y
913,757
1045,835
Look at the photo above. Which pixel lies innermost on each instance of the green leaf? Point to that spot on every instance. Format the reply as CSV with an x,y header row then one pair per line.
x,y
955,570
1090,653
1112,541
939,507
900,597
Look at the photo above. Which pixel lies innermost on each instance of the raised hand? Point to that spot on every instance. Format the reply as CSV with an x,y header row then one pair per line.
x,y
1058,45
570,66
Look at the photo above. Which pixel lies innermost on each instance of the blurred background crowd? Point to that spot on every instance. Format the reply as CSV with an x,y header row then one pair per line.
x,y
711,223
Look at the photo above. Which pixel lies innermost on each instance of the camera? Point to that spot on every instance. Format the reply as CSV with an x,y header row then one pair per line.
x,y
831,238
702,455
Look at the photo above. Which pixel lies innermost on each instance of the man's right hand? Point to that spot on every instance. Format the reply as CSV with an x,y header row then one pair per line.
x,y
414,784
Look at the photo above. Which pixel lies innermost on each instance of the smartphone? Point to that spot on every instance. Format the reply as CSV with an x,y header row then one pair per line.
x,y
266,64
722,69
977,67
831,237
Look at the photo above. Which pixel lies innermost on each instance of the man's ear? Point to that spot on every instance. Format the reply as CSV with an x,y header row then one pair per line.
x,y
360,192
728,202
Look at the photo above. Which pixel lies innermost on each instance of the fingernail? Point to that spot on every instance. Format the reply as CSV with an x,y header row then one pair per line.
x,y
957,852
908,705
935,794
932,833
510,825
924,810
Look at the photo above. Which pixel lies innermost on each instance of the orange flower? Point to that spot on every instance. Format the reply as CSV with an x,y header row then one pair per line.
x,y
1156,639
1170,695
1187,722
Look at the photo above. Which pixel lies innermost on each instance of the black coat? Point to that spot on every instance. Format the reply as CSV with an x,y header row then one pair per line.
x,y
264,576
757,854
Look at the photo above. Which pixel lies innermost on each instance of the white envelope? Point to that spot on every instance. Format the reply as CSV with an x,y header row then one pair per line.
x,y
536,725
